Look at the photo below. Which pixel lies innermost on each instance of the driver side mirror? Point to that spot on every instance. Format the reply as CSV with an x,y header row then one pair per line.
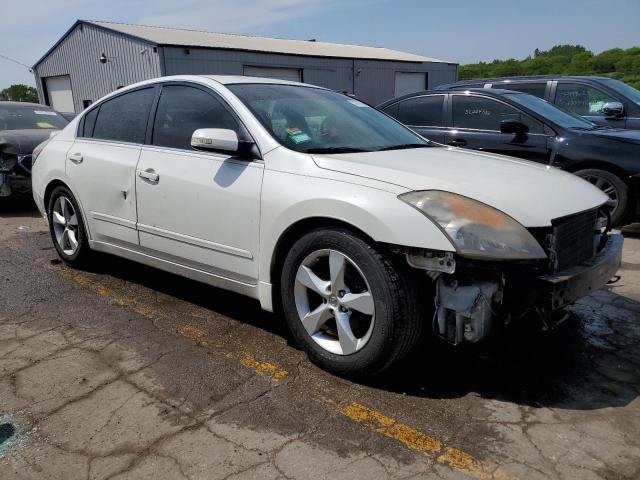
x,y
215,139
613,109
514,127
225,141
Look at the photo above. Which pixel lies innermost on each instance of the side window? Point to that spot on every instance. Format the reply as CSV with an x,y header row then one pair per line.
x,y
182,110
537,88
124,118
391,110
481,113
422,111
581,99
89,122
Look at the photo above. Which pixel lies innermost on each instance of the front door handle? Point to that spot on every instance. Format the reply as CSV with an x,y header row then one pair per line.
x,y
76,158
458,142
149,174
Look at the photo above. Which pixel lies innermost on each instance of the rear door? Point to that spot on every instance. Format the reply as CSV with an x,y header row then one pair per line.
x,y
476,124
586,100
423,114
101,165
199,209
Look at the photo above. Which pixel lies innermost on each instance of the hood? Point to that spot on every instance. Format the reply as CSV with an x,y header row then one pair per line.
x,y
618,134
530,193
22,141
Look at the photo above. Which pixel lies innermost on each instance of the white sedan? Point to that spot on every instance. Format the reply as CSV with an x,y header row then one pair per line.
x,y
358,230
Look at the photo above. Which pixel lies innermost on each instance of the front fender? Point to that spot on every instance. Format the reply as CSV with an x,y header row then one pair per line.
x,y
377,213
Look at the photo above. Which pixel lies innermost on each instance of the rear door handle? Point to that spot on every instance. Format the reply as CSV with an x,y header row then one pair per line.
x,y
76,158
149,174
458,142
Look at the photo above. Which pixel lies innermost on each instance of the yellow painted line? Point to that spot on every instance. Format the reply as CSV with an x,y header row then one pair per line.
x,y
357,412
246,360
420,442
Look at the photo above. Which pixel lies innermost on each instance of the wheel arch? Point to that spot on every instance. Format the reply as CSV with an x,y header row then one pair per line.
x,y
601,165
51,186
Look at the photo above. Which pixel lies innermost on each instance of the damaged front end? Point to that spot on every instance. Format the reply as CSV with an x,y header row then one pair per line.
x,y
15,173
474,292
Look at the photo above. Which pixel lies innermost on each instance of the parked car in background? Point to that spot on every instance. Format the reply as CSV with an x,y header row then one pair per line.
x,y
22,127
525,126
601,100
318,205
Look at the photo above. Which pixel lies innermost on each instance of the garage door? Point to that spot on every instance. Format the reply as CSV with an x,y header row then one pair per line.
x,y
291,74
409,82
60,96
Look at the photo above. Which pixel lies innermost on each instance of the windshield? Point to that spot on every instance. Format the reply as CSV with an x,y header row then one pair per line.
x,y
313,120
623,89
550,112
19,117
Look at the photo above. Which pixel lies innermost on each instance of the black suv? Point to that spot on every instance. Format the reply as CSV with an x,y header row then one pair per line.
x,y
521,125
601,100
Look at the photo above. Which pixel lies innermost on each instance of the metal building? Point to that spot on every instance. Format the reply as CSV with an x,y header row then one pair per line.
x,y
94,58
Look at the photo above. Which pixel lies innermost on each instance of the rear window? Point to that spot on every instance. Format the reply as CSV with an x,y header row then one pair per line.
x,y
124,118
23,117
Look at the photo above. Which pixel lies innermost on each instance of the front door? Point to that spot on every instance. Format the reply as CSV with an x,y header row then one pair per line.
x,y
476,125
102,163
587,101
195,208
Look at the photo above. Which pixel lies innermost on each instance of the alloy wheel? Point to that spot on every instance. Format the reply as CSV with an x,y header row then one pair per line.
x,y
334,302
608,188
65,225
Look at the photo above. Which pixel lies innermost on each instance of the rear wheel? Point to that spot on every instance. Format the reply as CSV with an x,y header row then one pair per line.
x,y
67,229
347,304
614,187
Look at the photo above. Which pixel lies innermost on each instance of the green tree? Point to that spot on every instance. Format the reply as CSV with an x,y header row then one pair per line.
x,y
20,93
563,60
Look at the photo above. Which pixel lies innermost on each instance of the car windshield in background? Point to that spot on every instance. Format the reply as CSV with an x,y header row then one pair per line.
x,y
19,117
624,89
548,111
312,120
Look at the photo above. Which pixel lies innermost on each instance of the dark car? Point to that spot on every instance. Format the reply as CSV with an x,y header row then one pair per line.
x,y
601,100
22,127
525,126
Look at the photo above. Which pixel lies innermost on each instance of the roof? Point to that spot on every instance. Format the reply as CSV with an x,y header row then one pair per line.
x,y
201,39
23,104
494,92
522,78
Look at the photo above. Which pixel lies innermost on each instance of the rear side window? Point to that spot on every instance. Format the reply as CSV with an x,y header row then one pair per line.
x,y
89,122
533,88
481,113
124,118
182,110
422,111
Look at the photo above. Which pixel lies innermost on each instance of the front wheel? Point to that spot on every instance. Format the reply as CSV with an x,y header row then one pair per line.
x,y
614,187
67,229
353,310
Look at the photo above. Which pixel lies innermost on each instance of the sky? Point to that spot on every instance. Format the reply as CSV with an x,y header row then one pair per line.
x,y
464,31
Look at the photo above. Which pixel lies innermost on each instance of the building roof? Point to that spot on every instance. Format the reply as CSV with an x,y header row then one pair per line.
x,y
194,38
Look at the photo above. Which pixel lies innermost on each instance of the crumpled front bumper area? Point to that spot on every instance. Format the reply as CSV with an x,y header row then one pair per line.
x,y
560,289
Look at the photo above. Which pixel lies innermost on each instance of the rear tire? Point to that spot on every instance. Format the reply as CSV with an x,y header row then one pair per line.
x,y
378,301
614,187
67,228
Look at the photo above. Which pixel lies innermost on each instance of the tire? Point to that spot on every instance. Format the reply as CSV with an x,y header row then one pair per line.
x,y
383,307
614,187
69,238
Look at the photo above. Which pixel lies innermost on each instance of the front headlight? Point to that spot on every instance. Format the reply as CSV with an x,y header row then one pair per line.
x,y
477,230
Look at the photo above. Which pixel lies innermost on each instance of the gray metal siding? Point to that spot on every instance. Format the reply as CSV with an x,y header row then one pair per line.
x,y
374,82
77,56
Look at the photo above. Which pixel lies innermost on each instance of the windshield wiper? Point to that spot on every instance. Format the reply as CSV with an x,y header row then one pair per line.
x,y
404,146
335,150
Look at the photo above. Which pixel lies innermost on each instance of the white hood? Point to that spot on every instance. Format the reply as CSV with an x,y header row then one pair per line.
x,y
531,193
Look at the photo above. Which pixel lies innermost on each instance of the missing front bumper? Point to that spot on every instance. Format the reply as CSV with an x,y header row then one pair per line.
x,y
563,288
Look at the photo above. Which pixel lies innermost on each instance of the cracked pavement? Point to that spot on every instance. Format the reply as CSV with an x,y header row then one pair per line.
x,y
125,372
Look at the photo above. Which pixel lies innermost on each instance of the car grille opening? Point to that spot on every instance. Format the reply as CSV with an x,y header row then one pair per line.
x,y
573,240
